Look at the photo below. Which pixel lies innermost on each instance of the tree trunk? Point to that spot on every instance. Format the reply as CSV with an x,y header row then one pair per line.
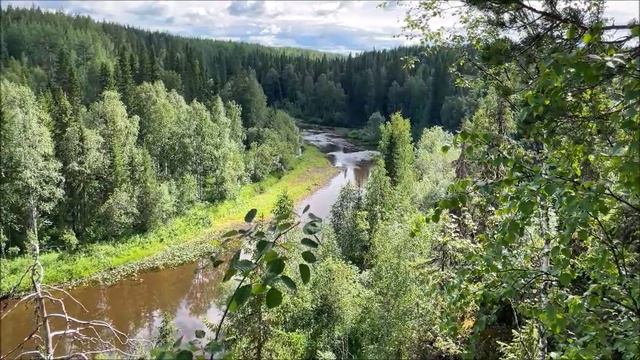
x,y
36,278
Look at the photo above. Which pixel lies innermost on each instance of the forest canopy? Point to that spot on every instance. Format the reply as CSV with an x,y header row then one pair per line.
x,y
320,87
501,218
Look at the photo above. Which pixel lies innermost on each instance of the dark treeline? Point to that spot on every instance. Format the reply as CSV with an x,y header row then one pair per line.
x,y
318,87
96,146
137,126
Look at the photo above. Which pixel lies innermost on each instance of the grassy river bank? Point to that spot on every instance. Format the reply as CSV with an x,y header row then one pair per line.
x,y
183,239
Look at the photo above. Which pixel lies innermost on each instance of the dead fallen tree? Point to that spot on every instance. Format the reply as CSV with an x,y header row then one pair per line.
x,y
82,339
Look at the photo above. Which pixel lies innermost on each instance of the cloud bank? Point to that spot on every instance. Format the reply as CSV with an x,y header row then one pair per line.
x,y
333,26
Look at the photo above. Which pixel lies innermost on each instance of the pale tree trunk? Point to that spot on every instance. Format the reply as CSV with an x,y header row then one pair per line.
x,y
75,329
36,279
2,242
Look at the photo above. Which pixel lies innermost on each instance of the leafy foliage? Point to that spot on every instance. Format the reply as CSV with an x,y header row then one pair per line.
x,y
434,166
30,173
373,126
349,225
131,163
530,249
396,147
518,237
259,281
546,178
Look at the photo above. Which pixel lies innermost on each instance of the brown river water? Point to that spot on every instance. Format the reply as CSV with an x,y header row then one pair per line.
x,y
191,293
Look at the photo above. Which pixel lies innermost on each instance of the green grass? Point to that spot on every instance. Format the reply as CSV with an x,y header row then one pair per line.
x,y
182,239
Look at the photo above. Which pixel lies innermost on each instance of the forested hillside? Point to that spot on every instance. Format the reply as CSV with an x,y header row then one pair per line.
x,y
518,237
136,126
500,218
38,46
97,147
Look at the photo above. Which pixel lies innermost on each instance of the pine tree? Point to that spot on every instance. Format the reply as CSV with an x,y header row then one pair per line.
x,y
124,78
65,78
397,151
107,81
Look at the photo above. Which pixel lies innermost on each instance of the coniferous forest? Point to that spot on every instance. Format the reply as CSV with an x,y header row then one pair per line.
x,y
142,120
324,88
491,207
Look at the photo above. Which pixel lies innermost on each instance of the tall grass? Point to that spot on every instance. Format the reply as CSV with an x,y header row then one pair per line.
x,y
181,239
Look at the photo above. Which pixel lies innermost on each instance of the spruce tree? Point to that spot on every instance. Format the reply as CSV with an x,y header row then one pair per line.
x,y
396,148
133,68
153,73
193,75
65,78
143,70
124,78
107,80
62,116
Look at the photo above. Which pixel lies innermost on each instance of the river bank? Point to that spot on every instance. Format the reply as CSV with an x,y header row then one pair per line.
x,y
183,239
181,286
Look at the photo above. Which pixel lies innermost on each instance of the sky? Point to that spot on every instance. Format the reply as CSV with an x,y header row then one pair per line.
x,y
332,26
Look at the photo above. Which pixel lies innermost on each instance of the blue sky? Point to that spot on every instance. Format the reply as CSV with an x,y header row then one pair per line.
x,y
335,26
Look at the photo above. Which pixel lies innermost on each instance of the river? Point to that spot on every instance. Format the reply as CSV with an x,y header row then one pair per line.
x,y
191,292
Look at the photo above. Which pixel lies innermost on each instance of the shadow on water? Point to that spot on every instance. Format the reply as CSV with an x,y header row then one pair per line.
x,y
191,292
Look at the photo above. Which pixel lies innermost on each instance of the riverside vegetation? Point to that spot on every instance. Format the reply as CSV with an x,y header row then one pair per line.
x,y
184,238
514,233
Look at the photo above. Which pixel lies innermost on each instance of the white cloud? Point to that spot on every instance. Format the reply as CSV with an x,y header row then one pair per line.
x,y
622,12
339,26
271,29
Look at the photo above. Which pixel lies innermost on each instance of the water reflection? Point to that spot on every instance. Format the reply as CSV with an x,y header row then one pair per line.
x,y
355,167
134,306
190,292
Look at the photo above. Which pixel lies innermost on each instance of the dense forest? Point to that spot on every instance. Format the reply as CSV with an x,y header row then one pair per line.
x,y
502,218
143,125
324,88
81,168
